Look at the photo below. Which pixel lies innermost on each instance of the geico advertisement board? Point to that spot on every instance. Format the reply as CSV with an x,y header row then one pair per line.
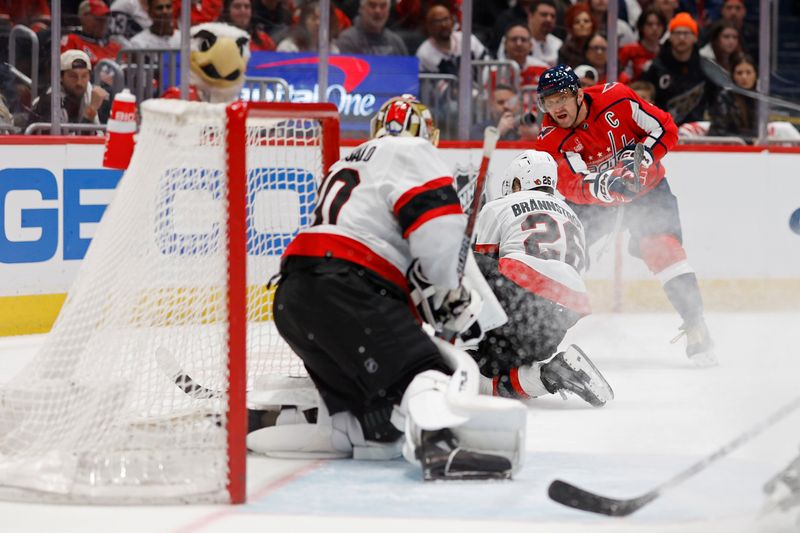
x,y
736,210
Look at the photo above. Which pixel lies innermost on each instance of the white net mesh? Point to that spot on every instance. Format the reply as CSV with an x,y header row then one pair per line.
x,y
96,416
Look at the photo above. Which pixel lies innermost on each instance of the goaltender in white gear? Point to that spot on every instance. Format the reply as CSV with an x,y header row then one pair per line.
x,y
385,211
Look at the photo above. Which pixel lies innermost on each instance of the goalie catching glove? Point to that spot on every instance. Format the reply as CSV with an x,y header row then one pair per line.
x,y
446,309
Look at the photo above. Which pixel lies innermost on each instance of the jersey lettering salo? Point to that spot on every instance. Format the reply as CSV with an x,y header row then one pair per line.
x,y
390,201
540,245
617,118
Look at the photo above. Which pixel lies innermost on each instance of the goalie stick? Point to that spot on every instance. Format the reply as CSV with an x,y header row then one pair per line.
x,y
638,155
490,137
578,498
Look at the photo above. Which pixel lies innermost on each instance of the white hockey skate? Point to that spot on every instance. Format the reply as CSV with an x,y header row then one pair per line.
x,y
573,371
699,345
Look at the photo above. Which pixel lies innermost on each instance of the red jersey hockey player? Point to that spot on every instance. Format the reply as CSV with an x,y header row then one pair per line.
x,y
591,133
343,305
540,246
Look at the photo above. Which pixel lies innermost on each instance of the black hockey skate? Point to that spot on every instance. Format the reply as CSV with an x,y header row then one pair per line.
x,y
443,460
783,490
573,371
699,345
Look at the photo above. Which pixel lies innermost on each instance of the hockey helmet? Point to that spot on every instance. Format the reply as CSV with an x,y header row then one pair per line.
x,y
533,169
404,115
560,78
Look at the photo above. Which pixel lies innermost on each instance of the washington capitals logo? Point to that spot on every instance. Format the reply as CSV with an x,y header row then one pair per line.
x,y
355,70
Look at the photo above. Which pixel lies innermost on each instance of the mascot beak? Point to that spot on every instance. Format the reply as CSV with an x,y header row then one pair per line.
x,y
220,60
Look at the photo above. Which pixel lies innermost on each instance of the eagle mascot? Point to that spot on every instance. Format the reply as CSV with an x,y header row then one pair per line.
x,y
217,63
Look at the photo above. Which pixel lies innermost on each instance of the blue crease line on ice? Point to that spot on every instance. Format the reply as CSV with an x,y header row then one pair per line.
x,y
394,489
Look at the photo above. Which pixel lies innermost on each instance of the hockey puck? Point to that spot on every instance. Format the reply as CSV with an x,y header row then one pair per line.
x,y
794,221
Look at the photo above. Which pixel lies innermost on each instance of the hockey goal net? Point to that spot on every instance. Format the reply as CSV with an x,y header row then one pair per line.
x,y
176,278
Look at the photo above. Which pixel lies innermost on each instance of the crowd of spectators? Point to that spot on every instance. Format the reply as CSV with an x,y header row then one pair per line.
x,y
661,43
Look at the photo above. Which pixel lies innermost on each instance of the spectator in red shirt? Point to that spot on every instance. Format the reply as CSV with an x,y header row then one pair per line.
x,y
32,13
202,11
91,38
239,13
635,58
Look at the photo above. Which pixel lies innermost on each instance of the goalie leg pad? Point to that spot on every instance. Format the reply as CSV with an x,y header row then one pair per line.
x,y
482,425
294,436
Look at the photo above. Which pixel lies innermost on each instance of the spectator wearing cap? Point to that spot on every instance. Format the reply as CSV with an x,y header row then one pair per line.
x,y
587,74
91,38
128,17
681,87
81,103
162,32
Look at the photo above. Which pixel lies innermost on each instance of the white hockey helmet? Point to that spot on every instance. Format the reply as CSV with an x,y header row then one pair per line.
x,y
533,169
404,115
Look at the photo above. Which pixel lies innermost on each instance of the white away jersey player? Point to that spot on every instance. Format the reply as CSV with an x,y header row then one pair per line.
x,y
390,201
540,244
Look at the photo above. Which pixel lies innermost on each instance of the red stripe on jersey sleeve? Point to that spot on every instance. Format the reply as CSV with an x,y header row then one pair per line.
x,y
429,186
528,278
488,249
454,209
340,247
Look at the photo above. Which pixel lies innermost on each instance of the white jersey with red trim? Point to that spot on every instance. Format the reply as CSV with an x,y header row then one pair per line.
x,y
540,244
391,200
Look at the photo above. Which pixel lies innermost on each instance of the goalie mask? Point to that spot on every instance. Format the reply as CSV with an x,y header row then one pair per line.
x,y
533,169
404,115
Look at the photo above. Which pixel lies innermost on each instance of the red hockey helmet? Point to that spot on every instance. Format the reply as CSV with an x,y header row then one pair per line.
x,y
404,115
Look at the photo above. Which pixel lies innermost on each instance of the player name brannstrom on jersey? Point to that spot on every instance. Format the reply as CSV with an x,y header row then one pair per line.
x,y
540,244
389,201
532,205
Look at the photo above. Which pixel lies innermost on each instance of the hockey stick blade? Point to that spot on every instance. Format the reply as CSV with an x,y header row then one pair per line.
x,y
178,375
583,500
578,498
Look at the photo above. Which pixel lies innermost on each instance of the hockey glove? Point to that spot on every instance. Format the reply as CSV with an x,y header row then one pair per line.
x,y
614,186
626,158
445,309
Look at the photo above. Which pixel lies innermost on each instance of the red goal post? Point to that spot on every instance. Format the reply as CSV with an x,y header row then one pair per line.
x,y
237,114
176,277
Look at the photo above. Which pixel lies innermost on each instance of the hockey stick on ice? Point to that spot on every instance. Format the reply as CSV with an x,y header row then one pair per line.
x,y
578,498
490,137
638,154
178,375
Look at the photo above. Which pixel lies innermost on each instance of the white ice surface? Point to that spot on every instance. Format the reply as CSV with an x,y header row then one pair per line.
x,y
666,416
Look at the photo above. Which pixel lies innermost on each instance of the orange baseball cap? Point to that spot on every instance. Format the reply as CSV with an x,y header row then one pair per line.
x,y
683,19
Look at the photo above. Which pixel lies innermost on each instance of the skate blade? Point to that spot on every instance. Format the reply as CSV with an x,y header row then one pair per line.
x,y
467,476
705,359
597,383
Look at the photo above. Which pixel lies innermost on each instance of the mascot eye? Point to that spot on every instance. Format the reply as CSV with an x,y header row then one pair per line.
x,y
208,40
241,42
